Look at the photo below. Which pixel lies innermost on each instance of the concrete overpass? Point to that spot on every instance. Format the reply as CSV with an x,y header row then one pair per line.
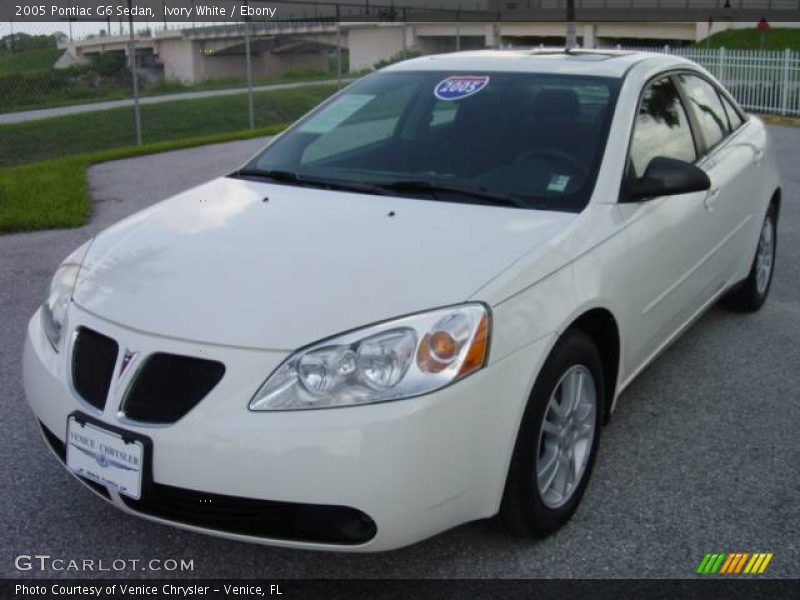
x,y
197,54
369,43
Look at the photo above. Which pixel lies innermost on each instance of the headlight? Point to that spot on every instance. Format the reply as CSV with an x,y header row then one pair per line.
x,y
55,307
397,359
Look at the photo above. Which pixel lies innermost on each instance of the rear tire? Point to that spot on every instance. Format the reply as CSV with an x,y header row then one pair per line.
x,y
750,294
560,430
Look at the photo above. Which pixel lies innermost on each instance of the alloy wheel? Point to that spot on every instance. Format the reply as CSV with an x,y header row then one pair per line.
x,y
765,256
566,436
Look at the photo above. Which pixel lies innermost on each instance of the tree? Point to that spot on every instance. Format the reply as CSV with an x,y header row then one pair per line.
x,y
20,42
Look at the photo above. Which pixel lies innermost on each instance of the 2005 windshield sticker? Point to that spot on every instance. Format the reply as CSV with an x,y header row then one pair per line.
x,y
457,87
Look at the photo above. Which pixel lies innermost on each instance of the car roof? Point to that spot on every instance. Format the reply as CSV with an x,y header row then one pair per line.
x,y
603,63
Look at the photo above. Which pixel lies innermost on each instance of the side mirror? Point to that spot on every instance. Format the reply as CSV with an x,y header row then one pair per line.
x,y
666,177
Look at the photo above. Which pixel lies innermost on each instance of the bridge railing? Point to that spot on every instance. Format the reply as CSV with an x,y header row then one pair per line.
x,y
260,27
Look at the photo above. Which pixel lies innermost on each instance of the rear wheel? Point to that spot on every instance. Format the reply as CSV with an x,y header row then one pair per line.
x,y
557,441
750,294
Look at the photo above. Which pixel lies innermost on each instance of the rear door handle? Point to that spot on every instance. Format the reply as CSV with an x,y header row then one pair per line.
x,y
759,156
711,199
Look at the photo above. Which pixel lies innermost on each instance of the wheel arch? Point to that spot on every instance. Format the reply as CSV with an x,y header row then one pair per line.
x,y
601,326
776,201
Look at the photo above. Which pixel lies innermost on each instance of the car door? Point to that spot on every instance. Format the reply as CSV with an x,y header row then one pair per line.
x,y
668,277
732,159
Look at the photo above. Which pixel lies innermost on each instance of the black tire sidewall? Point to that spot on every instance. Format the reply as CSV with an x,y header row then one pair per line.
x,y
523,509
745,297
762,297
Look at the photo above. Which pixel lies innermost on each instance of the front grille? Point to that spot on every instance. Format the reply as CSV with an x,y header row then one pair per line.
x,y
61,452
168,386
93,359
261,518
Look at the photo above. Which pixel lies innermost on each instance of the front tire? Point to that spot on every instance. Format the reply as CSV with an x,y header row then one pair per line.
x,y
751,293
557,440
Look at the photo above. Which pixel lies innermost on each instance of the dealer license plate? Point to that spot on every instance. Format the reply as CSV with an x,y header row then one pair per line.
x,y
105,457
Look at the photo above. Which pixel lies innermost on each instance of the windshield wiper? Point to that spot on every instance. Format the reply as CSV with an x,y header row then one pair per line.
x,y
433,188
273,174
381,189
296,179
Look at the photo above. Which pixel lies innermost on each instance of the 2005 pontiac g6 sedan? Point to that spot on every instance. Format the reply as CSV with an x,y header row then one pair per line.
x,y
415,308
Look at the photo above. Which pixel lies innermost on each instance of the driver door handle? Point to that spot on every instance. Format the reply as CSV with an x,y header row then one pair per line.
x,y
759,156
711,199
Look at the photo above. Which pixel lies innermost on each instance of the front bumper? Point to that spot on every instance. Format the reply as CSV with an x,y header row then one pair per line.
x,y
413,467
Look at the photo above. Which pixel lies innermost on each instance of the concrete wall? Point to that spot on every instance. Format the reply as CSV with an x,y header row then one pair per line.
x,y
591,34
655,31
197,66
278,64
533,30
68,59
222,67
368,45
181,60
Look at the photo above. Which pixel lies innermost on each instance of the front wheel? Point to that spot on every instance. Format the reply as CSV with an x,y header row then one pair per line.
x,y
750,294
557,441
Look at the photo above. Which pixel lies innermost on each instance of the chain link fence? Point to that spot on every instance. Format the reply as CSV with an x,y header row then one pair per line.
x,y
40,67
148,86
170,81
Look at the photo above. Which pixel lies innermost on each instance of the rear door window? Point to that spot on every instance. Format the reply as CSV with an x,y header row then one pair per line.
x,y
734,118
705,104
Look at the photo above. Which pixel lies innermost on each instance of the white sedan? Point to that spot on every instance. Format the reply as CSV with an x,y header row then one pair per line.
x,y
415,308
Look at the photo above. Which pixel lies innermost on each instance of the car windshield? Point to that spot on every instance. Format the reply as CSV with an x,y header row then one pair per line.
x,y
519,139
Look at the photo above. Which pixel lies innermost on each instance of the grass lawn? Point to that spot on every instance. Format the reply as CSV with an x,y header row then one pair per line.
x,y
777,38
12,63
33,141
54,193
43,93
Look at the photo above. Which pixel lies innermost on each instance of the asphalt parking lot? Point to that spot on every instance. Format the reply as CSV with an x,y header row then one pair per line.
x,y
702,455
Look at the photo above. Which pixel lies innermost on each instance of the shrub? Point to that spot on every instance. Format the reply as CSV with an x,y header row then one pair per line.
x,y
109,64
402,55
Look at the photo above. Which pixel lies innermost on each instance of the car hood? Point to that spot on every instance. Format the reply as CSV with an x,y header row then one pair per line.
x,y
257,265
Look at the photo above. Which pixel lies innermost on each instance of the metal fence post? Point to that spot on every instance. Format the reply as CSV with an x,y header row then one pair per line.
x,y
338,49
721,74
570,37
249,69
787,57
136,114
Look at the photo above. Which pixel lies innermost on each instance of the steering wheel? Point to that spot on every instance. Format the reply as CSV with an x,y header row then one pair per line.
x,y
555,156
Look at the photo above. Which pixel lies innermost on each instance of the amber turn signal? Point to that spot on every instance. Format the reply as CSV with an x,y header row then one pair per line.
x,y
476,355
439,349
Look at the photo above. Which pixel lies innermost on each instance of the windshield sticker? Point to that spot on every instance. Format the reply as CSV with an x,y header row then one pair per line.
x,y
456,87
335,113
558,183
